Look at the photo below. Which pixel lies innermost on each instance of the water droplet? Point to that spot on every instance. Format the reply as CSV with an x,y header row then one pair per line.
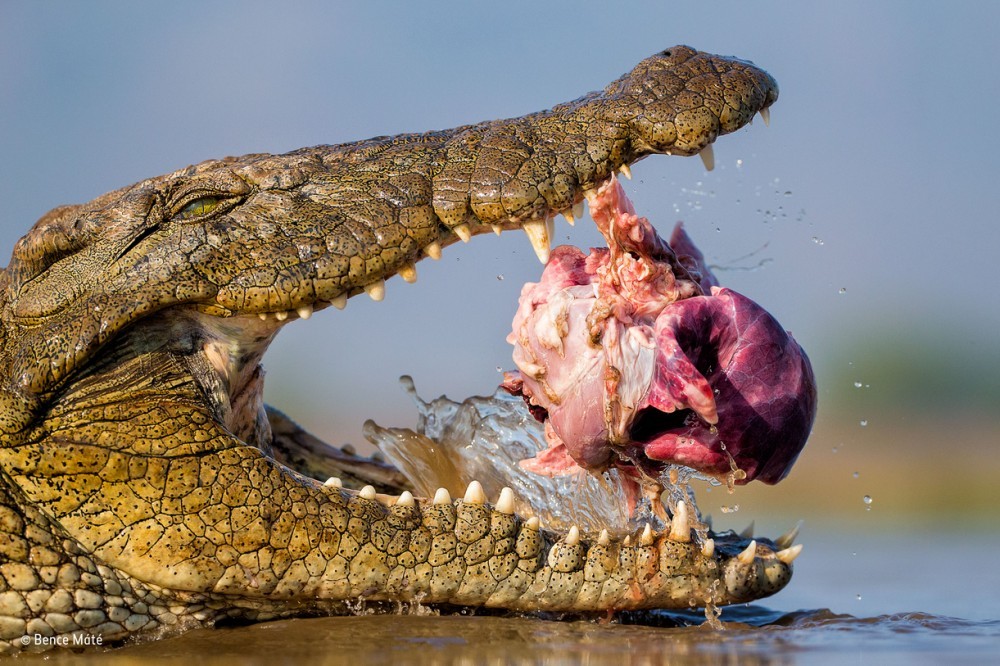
x,y
856,475
858,384
500,277
859,597
788,193
817,240
868,502
499,369
843,290
863,422
739,164
730,509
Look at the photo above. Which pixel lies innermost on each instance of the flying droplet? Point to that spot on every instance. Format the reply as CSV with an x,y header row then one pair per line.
x,y
730,509
856,475
500,277
843,290
867,499
858,384
864,423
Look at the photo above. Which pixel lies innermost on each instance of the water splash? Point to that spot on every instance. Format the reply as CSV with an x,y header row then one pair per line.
x,y
485,438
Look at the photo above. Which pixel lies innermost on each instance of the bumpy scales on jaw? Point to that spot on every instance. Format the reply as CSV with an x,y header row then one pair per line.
x,y
144,486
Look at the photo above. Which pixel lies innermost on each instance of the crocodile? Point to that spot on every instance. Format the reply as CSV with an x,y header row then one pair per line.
x,y
145,488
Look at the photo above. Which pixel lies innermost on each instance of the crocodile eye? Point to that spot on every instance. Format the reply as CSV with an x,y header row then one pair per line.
x,y
199,207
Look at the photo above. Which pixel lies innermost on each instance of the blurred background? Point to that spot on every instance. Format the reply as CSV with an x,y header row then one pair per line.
x,y
865,218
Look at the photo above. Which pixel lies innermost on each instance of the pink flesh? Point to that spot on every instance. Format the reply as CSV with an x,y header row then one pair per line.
x,y
635,357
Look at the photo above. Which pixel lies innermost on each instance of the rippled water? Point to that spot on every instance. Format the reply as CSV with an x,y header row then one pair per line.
x,y
752,635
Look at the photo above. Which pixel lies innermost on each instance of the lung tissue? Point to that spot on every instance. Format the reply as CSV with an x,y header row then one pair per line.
x,y
634,357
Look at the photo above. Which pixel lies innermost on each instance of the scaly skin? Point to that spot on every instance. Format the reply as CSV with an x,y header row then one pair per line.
x,y
145,488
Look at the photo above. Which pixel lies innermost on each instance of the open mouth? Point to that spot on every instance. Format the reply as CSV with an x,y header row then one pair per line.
x,y
133,419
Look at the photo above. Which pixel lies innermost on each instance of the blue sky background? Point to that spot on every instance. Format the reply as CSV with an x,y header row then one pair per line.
x,y
867,212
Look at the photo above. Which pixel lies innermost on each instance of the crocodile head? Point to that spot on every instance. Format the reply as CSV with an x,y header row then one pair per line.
x,y
140,472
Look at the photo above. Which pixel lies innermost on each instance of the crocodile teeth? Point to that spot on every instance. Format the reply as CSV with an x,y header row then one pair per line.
x,y
305,311
442,496
568,214
578,209
604,539
646,539
747,532
339,302
746,557
788,555
591,197
533,523
368,492
765,115
406,499
788,538
707,155
496,229
573,536
433,250
626,171
281,316
708,548
627,541
376,290
464,232
263,316
538,234
408,272
333,482
679,528
474,494
505,504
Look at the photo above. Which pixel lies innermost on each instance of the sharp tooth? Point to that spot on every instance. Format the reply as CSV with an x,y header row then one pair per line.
x,y
679,528
340,301
474,494
539,236
591,197
505,504
573,536
408,272
305,311
604,539
747,532
765,115
627,172
568,214
368,492
627,541
707,155
788,538
533,523
376,290
496,229
433,250
464,232
333,482
746,557
788,555
647,536
550,227
405,499
578,210
708,548
442,496
281,316
263,316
